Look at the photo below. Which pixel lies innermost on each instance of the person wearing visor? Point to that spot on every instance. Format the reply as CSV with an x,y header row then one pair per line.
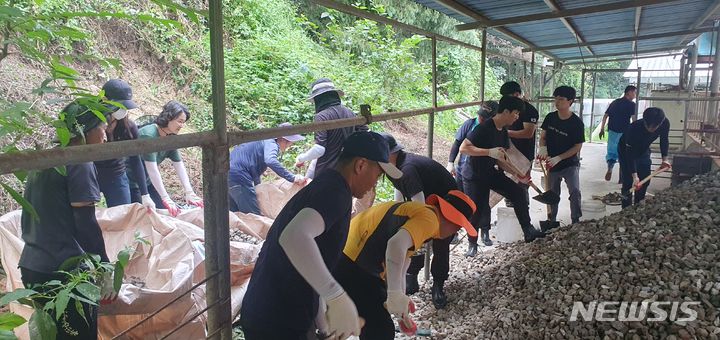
x,y
634,152
291,292
422,177
487,110
377,253
328,143
168,123
65,225
112,173
247,164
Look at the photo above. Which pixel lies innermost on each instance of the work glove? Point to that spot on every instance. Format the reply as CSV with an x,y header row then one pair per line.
x,y
300,180
542,153
342,318
552,162
171,207
498,153
407,324
636,182
398,303
450,168
148,203
193,199
525,179
602,132
665,165
107,292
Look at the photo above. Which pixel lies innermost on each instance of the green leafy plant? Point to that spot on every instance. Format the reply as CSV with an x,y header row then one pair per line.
x,y
51,299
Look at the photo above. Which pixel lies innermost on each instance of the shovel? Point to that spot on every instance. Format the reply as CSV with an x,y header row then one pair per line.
x,y
644,180
547,197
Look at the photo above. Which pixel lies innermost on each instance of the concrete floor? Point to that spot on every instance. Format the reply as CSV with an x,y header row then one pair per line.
x,y
592,182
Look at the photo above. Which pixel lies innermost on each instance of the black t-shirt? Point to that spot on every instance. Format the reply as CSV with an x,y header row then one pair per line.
x,y
116,166
460,135
50,240
484,136
561,135
277,295
525,145
422,174
619,114
333,139
636,140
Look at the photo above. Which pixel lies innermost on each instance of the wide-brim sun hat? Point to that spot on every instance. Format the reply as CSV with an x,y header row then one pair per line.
x,y
323,85
457,208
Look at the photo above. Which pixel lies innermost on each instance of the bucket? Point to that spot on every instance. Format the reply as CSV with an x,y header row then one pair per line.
x,y
507,229
593,209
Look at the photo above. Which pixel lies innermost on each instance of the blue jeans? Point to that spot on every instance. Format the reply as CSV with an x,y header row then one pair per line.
x,y
612,147
115,188
243,198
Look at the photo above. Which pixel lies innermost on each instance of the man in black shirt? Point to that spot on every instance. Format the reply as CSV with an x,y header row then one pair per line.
x,y
634,152
486,146
328,143
561,139
292,279
66,226
522,131
487,110
619,113
422,177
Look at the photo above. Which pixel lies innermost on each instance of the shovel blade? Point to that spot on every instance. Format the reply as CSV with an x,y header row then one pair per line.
x,y
548,197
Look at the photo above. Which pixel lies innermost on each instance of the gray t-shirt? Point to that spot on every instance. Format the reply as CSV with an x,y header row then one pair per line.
x,y
50,240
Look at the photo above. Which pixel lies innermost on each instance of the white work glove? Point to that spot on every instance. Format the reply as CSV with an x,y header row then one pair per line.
x,y
497,153
193,199
542,153
552,162
665,165
300,180
636,182
525,179
342,317
450,168
107,291
148,203
171,207
398,303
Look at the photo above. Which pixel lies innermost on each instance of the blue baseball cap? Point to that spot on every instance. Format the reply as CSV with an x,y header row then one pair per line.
x,y
373,146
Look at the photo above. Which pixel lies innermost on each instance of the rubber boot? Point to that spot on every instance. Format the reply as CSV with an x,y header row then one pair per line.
x,y
455,239
531,233
485,235
439,298
472,250
411,284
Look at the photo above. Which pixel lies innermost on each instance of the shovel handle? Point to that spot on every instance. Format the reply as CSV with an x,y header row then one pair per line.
x,y
646,179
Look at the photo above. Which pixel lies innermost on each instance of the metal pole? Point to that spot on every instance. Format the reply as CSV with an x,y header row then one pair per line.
x,y
482,65
532,75
691,90
637,92
582,94
431,129
592,105
215,188
715,82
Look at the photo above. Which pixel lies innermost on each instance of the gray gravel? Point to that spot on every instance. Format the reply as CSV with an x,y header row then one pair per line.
x,y
665,249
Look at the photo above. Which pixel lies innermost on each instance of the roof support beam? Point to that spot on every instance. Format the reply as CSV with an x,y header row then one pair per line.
x,y
709,13
619,40
638,13
475,15
664,49
555,7
560,14
623,59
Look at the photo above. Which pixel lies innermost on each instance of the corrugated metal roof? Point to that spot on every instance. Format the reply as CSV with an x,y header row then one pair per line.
x,y
657,18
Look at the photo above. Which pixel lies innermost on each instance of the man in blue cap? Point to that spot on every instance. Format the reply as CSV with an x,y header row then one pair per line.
x,y
292,276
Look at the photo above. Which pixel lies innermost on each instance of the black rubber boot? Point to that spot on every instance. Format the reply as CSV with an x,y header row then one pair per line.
x,y
472,250
531,233
411,284
455,240
438,295
485,235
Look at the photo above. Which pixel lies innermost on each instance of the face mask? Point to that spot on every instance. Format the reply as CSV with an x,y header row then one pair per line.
x,y
119,114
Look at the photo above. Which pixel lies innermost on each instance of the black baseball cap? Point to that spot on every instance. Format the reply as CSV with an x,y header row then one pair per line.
x,y
119,91
373,146
392,143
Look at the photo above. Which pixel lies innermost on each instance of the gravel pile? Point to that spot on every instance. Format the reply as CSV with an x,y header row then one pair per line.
x,y
665,249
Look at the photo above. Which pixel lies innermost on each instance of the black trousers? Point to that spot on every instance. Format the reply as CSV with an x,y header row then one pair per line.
x,y
479,191
440,265
369,293
642,166
72,325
